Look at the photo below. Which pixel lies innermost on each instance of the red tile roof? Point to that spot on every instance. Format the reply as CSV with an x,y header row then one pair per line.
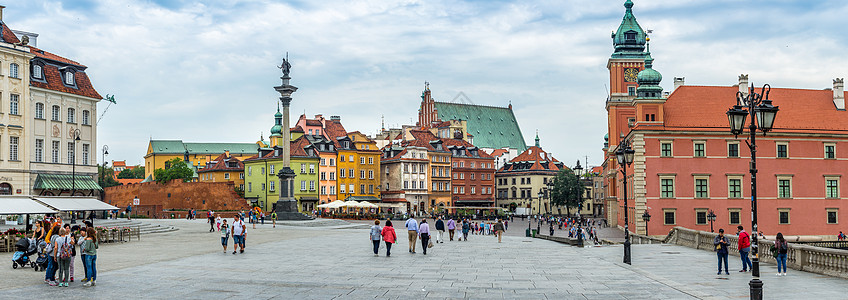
x,y
8,35
335,130
47,55
53,77
536,156
221,164
498,152
460,142
705,108
295,149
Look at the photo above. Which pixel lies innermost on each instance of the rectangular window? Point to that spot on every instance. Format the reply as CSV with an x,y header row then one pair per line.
x,y
39,150
361,174
702,188
332,190
405,184
262,171
669,217
250,171
829,150
341,158
227,176
350,173
271,170
733,150
332,162
55,116
55,154
370,174
311,168
71,115
39,110
86,118
303,185
667,188
241,176
784,188
370,160
13,148
832,216
13,104
370,188
332,175
262,187
342,173
13,70
312,185
323,175
665,149
701,217
700,149
342,189
271,186
782,150
71,155
832,187
362,189
350,159
783,216
734,188
250,187
472,189
734,217
323,190
323,162
631,91
85,149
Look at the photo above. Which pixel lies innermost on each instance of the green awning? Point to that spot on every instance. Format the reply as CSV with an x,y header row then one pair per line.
x,y
363,198
65,182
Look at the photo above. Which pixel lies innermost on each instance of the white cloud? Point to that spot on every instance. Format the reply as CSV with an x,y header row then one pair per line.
x,y
205,70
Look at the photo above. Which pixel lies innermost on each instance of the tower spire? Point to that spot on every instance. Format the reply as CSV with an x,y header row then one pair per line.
x,y
629,39
537,138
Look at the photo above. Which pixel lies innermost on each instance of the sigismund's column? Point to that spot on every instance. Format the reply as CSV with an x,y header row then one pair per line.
x,y
287,203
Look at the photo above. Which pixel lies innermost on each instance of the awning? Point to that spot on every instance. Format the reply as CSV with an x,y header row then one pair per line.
x,y
363,198
309,199
12,205
65,182
74,203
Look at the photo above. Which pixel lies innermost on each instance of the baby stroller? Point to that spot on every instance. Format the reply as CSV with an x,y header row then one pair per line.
x,y
41,261
23,249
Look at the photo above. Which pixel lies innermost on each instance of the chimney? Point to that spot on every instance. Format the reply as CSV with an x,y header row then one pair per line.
x,y
336,119
839,93
1,12
678,82
226,153
743,83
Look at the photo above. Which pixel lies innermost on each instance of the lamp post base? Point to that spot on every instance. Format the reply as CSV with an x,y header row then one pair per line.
x,y
756,289
627,251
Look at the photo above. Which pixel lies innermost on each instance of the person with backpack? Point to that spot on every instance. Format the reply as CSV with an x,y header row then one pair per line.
x,y
389,236
237,230
62,251
50,273
720,244
90,250
225,234
274,218
466,226
781,248
376,234
81,243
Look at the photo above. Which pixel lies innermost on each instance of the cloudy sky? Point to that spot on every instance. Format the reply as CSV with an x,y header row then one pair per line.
x,y
204,71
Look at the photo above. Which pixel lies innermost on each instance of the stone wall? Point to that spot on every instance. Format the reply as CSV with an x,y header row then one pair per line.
x,y
178,195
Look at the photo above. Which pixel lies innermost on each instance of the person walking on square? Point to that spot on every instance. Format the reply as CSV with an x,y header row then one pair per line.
x,y
782,249
218,222
424,233
274,218
466,226
375,235
255,219
90,251
412,231
840,236
211,217
129,211
499,229
262,217
440,230
744,246
720,244
451,227
237,230
389,236
225,234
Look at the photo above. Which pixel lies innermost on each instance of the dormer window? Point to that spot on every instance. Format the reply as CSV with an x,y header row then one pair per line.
x,y
69,77
37,72
630,36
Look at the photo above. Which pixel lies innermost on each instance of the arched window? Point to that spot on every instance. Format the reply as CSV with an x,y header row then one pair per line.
x,y
37,72
5,189
69,78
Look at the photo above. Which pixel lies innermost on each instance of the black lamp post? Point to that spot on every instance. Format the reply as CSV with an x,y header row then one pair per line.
x,y
74,163
579,172
647,218
758,106
711,217
539,220
624,155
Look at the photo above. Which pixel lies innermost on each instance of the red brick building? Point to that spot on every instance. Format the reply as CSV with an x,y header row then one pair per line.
x,y
473,172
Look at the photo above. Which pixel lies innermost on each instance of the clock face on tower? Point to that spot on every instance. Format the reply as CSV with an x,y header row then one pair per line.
x,y
630,74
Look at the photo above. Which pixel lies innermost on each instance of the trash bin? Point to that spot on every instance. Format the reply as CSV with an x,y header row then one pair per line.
x,y
527,232
535,232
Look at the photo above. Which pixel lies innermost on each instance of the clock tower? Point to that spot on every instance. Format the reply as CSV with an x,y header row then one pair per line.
x,y
624,65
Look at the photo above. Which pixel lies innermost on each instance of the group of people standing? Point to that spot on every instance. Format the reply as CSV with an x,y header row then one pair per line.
x,y
61,243
421,231
781,248
237,230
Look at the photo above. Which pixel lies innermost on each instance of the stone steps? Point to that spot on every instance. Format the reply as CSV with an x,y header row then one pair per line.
x,y
144,228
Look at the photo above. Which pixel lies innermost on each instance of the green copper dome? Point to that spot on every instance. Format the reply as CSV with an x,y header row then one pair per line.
x,y
629,40
649,80
277,129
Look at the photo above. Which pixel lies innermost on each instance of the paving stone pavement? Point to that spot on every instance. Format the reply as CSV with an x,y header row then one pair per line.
x,y
333,263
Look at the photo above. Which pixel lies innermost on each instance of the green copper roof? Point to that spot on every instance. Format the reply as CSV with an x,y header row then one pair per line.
x,y
277,129
491,127
649,80
179,147
65,182
629,39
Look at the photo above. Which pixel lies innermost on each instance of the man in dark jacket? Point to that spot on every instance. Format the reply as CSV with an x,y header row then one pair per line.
x,y
440,230
720,244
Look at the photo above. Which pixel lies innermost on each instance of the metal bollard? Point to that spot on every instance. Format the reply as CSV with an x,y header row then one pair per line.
x,y
756,289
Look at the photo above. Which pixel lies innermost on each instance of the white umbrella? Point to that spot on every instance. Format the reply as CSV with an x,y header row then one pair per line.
x,y
334,204
366,204
351,203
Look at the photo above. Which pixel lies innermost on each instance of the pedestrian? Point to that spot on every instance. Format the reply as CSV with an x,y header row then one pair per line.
x,y
840,236
720,244
376,233
73,232
782,249
389,236
225,234
424,233
210,216
129,211
52,266
451,227
499,229
506,225
744,247
90,251
218,222
62,251
274,218
412,231
440,230
81,243
262,217
466,226
237,230
255,219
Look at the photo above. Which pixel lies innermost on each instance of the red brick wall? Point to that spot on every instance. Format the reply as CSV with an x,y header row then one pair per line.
x,y
178,195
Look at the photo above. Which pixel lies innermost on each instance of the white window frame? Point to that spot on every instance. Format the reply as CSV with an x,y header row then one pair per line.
x,y
72,115
39,150
13,148
826,187
780,177
14,104
39,110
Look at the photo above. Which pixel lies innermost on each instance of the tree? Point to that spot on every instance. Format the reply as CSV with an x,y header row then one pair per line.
x,y
105,177
567,190
174,169
135,173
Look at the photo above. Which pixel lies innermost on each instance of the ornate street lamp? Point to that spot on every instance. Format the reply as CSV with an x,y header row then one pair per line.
x,y
711,217
647,218
624,155
73,158
759,107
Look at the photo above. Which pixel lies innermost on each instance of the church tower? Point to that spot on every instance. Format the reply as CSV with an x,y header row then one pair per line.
x,y
649,95
277,130
427,113
625,63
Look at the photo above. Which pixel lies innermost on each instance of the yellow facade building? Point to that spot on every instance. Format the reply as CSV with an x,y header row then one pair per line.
x,y
197,154
224,168
358,168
